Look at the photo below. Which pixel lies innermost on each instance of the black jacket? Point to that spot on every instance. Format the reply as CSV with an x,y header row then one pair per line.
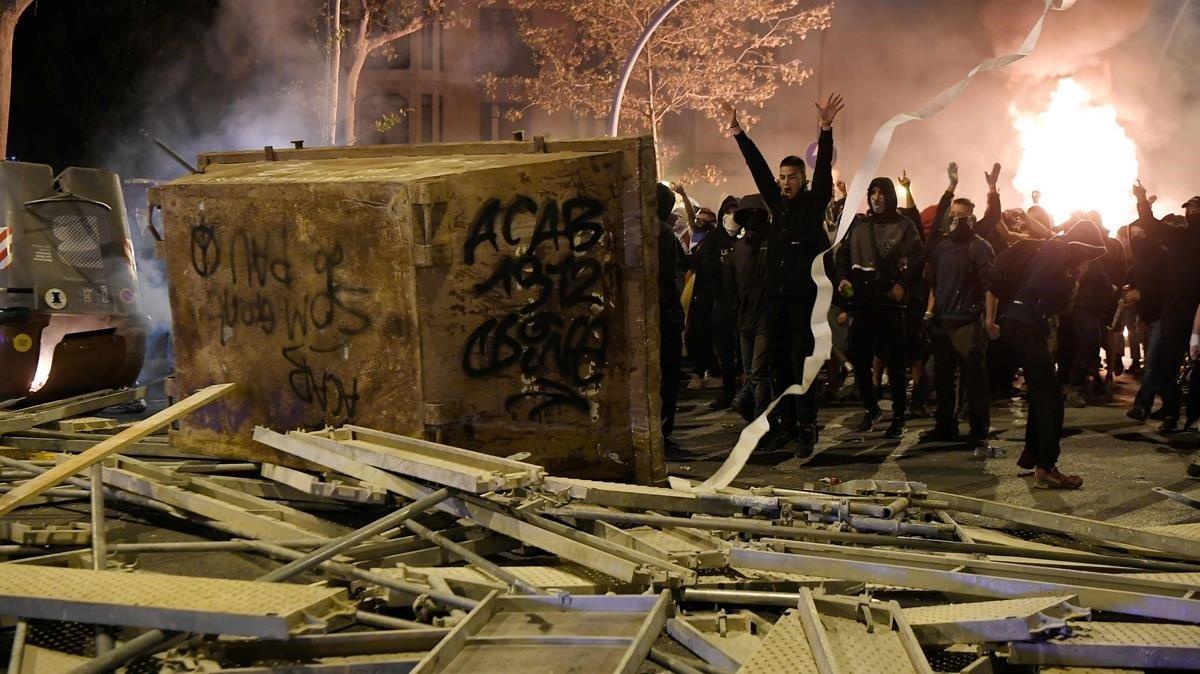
x,y
670,261
1049,283
707,261
1182,245
745,278
881,250
957,269
796,234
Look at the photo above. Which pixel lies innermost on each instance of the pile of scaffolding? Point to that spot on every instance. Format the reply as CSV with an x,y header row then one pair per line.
x,y
476,563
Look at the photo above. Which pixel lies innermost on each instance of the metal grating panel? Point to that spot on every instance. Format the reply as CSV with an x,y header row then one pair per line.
x,y
784,650
858,650
211,606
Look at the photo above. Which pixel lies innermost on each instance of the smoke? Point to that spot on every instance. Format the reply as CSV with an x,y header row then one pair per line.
x,y
891,57
252,79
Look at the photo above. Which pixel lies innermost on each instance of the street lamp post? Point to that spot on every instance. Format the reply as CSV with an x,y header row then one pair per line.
x,y
614,116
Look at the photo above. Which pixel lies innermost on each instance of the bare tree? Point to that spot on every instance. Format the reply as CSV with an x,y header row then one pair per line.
x,y
375,25
10,13
705,52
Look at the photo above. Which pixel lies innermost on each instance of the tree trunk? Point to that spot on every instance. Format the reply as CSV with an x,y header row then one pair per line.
x,y
335,69
361,50
10,13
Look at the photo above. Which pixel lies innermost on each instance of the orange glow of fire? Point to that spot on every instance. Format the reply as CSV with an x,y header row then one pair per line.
x,y
1078,156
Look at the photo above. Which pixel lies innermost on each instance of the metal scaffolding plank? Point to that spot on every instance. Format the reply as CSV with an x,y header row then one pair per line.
x,y
462,469
986,579
315,486
992,621
724,640
552,634
1142,645
471,582
785,649
1075,526
182,603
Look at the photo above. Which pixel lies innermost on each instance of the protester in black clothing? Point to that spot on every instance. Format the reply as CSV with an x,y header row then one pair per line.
x,y
745,277
795,237
1182,295
881,257
706,285
957,311
1049,281
1148,293
916,349
670,315
711,315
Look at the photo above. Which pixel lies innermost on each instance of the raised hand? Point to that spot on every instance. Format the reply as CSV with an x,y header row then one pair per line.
x,y
830,110
993,176
1036,197
905,181
1139,190
841,188
952,174
734,125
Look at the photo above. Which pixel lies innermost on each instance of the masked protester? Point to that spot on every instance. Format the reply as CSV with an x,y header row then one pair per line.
x,y
955,316
881,257
1050,279
795,237
709,263
1169,339
745,277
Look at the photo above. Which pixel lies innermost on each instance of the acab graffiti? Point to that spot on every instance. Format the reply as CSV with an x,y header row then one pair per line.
x,y
259,281
557,337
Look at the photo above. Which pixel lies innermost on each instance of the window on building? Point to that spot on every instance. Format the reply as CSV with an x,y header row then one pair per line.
x,y
501,50
395,56
426,118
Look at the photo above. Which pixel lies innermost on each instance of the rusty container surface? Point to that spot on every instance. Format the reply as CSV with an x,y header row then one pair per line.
x,y
494,296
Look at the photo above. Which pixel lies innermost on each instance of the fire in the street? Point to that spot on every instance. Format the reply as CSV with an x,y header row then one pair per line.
x,y
1078,156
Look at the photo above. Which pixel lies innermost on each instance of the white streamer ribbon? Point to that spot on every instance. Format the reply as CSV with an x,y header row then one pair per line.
x,y
823,337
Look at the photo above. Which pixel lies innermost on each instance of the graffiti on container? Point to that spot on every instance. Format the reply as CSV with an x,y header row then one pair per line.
x,y
557,338
262,285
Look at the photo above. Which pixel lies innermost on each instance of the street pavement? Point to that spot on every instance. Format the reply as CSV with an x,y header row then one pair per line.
x,y
1119,459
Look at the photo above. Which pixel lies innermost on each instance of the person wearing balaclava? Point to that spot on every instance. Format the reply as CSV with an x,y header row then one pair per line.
x,y
881,257
670,315
795,237
1182,295
1051,278
711,258
745,276
955,316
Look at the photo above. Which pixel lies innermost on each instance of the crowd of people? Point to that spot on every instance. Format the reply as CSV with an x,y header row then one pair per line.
x,y
947,305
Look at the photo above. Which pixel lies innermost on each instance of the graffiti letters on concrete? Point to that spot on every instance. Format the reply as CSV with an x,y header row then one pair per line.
x,y
265,288
554,327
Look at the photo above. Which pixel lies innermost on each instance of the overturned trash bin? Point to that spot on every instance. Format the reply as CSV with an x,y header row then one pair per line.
x,y
70,316
495,296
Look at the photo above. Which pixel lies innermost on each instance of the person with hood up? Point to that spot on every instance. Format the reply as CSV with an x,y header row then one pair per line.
x,y
745,277
881,257
670,315
1050,279
708,291
795,237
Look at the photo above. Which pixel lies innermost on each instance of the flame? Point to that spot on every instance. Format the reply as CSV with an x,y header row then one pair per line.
x,y
1078,156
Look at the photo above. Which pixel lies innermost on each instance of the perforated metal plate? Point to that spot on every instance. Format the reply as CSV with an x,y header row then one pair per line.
x,y
784,650
210,606
858,650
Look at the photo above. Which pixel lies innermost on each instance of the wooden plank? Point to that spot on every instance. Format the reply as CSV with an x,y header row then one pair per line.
x,y
69,407
84,424
109,446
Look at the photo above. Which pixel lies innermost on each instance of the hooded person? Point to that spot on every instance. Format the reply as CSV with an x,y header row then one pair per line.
x,y
745,277
795,237
670,314
881,257
714,329
1050,280
1180,238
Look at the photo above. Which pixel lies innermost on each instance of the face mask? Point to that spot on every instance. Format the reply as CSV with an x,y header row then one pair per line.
x,y
730,226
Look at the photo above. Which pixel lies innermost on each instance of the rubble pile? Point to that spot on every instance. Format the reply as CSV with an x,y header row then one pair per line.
x,y
393,554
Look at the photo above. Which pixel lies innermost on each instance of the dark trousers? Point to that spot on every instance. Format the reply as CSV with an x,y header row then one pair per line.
x,y
1043,428
961,348
699,336
724,324
1151,385
880,330
670,359
754,364
789,342
1085,354
1176,328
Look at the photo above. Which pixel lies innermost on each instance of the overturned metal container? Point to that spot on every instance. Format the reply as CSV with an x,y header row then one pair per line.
x,y
495,296
70,317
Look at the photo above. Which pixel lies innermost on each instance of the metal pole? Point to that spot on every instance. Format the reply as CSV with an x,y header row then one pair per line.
x,y
614,116
490,568
385,523
104,642
742,597
387,621
679,665
806,533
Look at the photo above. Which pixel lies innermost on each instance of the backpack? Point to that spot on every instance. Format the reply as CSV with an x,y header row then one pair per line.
x,y
1008,272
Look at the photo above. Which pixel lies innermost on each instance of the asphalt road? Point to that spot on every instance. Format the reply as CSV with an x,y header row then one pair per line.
x,y
1119,459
